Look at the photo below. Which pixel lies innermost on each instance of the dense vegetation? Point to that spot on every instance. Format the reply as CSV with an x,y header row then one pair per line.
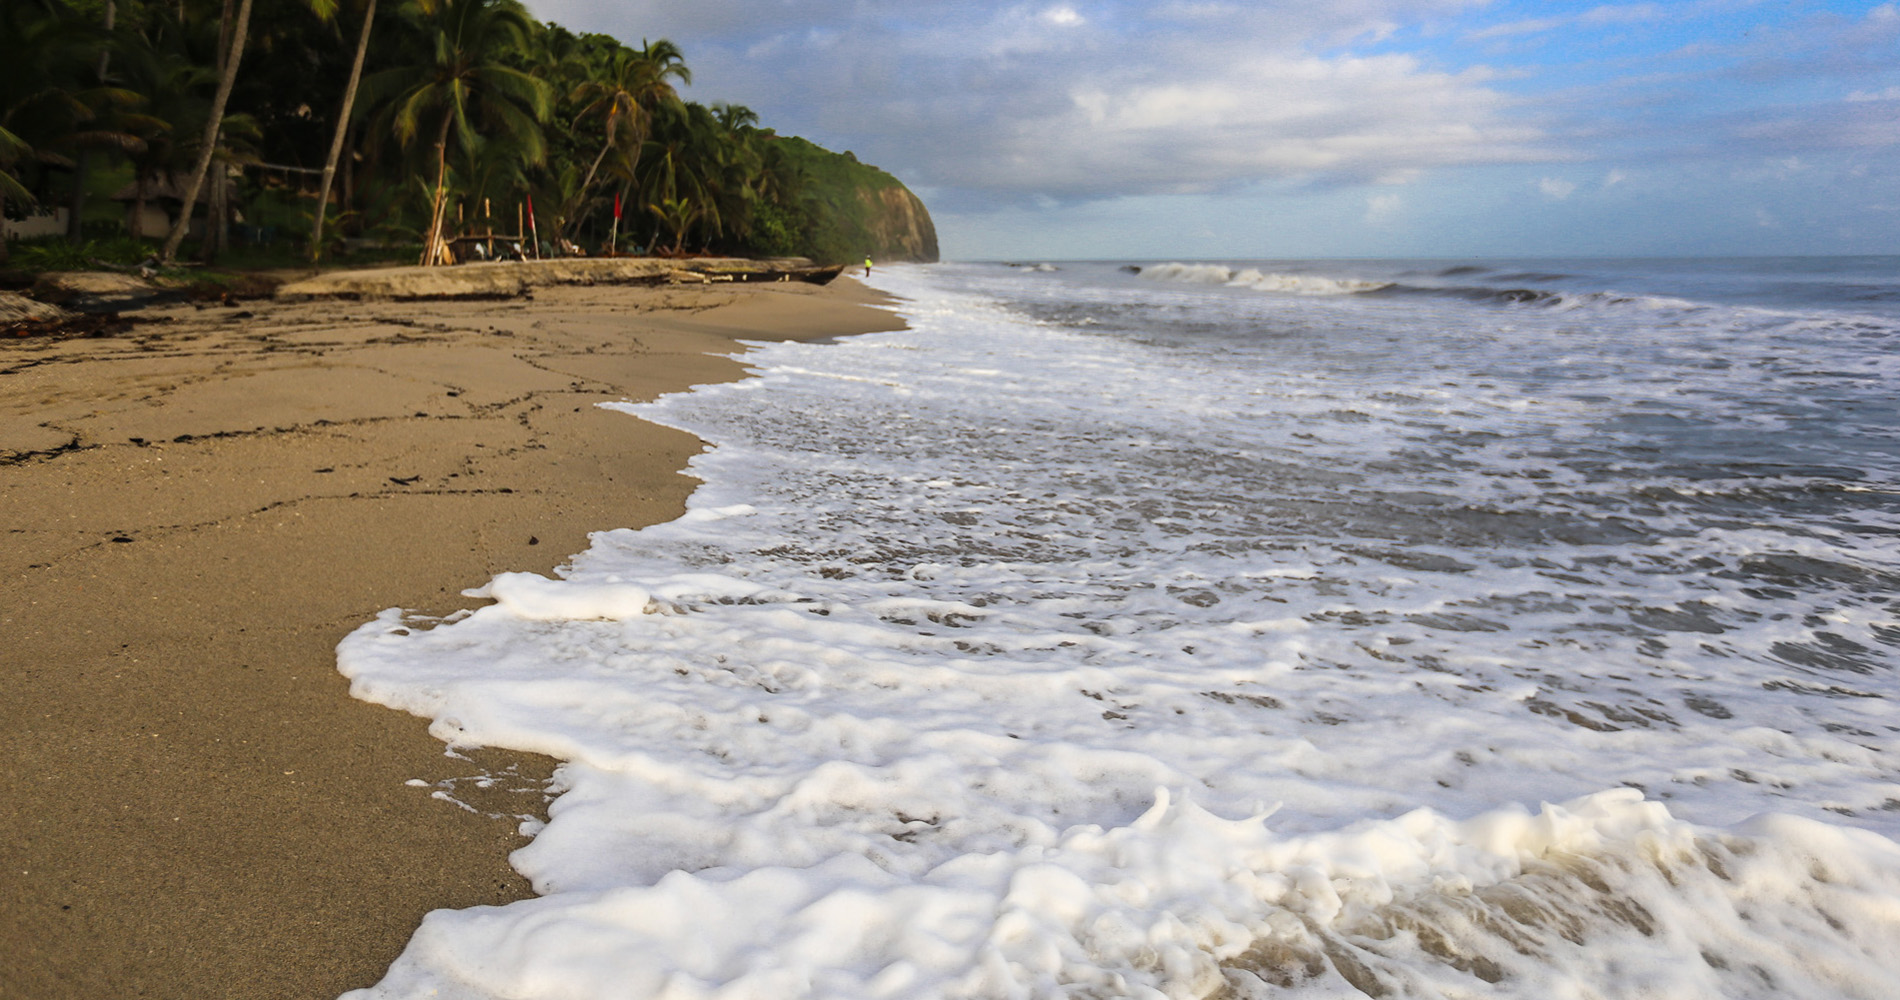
x,y
326,126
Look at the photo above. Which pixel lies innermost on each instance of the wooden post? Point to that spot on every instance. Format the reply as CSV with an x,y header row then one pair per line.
x,y
613,236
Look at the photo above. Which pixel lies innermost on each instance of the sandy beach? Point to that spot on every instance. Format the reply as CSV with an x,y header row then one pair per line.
x,y
199,508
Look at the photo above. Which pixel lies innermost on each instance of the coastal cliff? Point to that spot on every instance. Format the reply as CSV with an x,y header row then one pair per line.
x,y
852,210
898,224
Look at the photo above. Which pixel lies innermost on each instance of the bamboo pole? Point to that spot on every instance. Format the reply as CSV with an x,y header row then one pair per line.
x,y
436,211
534,227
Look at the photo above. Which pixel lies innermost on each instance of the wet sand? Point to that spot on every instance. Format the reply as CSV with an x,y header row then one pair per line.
x,y
196,511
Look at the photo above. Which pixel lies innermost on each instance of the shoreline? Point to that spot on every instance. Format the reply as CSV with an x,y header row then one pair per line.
x,y
202,507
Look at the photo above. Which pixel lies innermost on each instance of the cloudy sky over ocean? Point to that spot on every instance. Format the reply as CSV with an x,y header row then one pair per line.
x,y
1183,128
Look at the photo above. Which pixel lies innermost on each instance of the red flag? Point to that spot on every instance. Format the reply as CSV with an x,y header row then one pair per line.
x,y
616,204
530,206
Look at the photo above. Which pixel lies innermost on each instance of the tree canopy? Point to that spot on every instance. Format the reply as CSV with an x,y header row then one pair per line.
x,y
345,125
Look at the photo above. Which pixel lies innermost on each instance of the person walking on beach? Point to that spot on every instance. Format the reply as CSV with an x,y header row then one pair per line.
x,y
867,267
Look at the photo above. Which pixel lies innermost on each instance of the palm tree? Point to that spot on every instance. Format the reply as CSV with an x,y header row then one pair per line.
x,y
75,221
633,83
229,56
342,129
343,122
12,148
51,102
741,182
207,146
676,216
708,160
20,31
465,79
177,90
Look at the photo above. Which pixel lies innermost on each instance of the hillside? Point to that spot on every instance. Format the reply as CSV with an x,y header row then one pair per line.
x,y
853,210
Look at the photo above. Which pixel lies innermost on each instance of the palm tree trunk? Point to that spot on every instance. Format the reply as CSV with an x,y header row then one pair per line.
x,y
212,126
342,127
588,181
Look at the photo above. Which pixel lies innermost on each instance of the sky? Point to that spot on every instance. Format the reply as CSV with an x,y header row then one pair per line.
x,y
1210,129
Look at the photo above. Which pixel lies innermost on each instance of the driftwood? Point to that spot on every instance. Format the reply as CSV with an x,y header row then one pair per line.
x,y
69,325
16,309
813,275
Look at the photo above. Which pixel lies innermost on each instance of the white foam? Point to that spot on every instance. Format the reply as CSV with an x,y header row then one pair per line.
x,y
1304,284
998,659
1204,274
1267,281
537,598
1607,890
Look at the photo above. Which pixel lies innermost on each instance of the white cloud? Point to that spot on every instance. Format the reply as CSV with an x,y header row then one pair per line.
x,y
1081,100
1063,16
1514,28
1622,13
1097,106
1182,11
1244,118
1594,17
1556,187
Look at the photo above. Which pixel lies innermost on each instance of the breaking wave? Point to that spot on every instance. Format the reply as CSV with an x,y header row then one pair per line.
x,y
1208,651
1292,284
1318,285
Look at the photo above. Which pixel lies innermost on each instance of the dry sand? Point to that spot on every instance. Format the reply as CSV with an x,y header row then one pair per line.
x,y
198,510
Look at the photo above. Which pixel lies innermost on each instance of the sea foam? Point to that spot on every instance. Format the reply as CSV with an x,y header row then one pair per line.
x,y
1606,890
996,658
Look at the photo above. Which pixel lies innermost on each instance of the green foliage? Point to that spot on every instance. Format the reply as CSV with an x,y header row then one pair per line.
x,y
11,149
466,81
842,199
57,254
475,95
777,231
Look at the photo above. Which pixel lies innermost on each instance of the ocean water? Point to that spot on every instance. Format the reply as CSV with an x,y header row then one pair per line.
x,y
1252,629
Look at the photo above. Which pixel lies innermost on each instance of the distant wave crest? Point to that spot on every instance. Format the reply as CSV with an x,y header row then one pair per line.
x,y
1294,284
1315,285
